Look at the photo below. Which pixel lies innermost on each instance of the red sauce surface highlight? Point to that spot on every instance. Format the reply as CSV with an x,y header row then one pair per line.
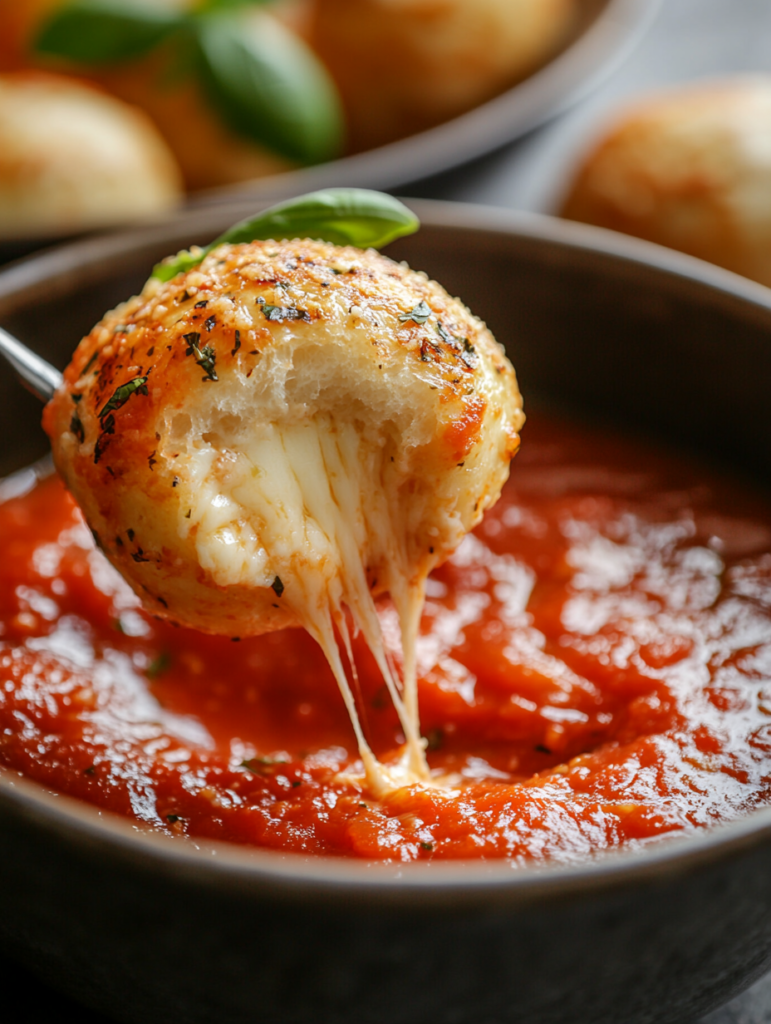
x,y
595,672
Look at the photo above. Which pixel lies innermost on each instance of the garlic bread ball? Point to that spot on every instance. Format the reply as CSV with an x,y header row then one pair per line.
x,y
73,158
289,424
405,65
689,169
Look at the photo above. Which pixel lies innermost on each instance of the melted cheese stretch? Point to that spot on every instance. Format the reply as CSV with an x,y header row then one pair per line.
x,y
310,426
306,503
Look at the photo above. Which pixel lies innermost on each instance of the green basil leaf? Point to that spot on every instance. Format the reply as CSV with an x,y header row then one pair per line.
x,y
104,31
344,216
269,86
219,5
173,265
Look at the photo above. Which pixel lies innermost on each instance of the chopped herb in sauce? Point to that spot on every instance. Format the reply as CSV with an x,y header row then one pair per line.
x,y
258,764
463,346
159,665
445,336
435,738
278,586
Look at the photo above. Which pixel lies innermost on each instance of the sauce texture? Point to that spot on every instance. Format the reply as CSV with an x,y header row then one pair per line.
x,y
594,672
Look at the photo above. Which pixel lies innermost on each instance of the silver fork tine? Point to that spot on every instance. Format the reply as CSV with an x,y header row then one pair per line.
x,y
36,374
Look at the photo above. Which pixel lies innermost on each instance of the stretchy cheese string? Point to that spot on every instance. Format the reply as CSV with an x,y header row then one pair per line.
x,y
312,491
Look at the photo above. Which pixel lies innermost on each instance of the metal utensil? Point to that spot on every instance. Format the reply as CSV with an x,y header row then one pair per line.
x,y
35,373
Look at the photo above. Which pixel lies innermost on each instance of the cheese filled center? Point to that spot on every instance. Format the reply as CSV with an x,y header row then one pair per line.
x,y
311,511
281,436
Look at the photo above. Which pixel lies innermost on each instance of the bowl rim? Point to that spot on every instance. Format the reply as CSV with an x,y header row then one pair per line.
x,y
295,875
86,257
580,67
291,877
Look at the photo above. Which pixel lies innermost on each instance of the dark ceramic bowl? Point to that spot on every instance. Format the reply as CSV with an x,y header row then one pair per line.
x,y
152,929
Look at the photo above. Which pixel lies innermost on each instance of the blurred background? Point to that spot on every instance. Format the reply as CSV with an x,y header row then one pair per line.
x,y
651,117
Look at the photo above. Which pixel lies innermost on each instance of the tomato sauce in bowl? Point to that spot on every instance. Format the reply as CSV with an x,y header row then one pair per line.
x,y
595,672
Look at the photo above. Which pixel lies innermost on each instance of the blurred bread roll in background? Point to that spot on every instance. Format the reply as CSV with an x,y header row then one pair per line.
x,y
73,158
689,169
401,66
405,65
208,153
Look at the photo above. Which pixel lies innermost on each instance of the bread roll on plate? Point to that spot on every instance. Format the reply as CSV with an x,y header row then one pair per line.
x,y
404,65
73,158
689,169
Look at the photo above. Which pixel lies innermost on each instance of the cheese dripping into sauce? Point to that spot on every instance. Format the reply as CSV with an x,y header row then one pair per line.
x,y
279,436
312,494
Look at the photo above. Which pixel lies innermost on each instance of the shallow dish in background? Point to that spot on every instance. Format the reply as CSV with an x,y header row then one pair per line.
x,y
150,928
606,32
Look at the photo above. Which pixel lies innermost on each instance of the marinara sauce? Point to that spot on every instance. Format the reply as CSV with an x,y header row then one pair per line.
x,y
595,672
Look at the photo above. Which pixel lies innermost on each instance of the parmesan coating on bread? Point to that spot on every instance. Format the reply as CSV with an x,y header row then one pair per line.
x,y
690,169
284,432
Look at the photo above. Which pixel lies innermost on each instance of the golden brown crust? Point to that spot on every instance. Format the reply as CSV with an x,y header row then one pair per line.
x,y
689,169
326,280
273,332
406,65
